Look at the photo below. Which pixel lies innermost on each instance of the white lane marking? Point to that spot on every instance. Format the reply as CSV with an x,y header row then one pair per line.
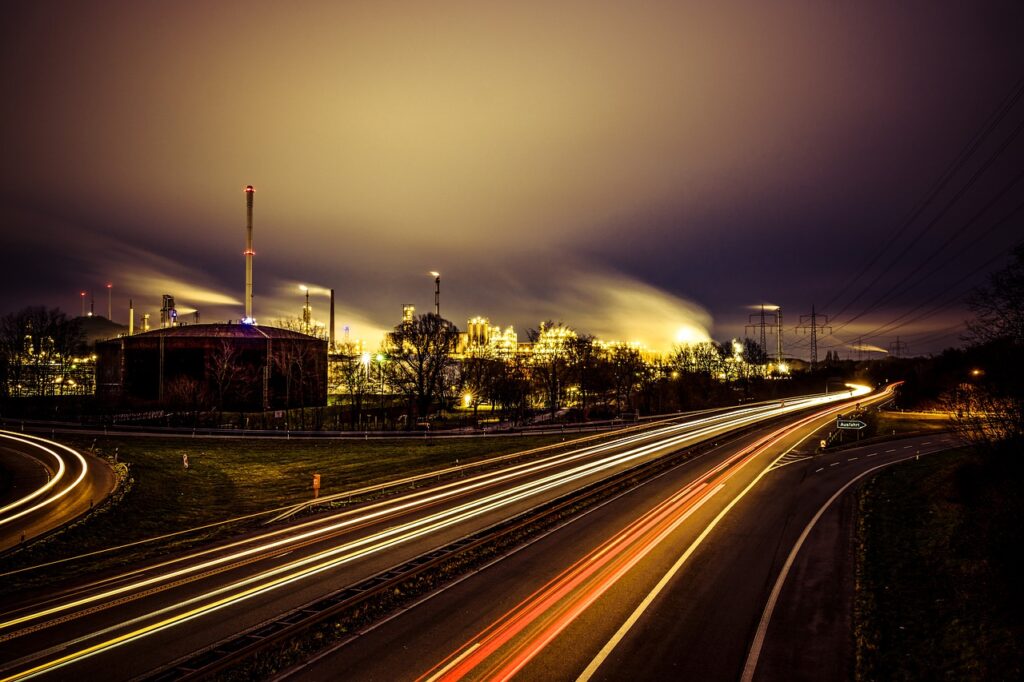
x,y
455,662
907,446
821,469
927,442
665,579
851,459
606,650
893,450
833,464
872,454
766,617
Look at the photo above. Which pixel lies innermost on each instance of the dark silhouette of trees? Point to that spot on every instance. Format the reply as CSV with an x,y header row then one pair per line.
x,y
352,370
36,348
550,366
229,379
988,403
419,353
627,366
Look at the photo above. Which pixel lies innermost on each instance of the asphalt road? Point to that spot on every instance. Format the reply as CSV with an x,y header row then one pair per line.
x,y
52,486
129,623
695,623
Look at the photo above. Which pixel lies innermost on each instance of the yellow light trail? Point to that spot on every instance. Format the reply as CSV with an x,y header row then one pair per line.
x,y
327,559
38,443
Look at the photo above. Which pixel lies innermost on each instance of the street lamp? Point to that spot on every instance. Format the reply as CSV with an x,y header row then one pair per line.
x,y
437,292
110,308
82,294
380,366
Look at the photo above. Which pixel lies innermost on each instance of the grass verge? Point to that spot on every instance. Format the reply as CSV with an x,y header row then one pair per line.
x,y
939,594
230,478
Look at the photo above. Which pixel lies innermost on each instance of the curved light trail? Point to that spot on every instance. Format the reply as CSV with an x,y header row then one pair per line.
x,y
50,492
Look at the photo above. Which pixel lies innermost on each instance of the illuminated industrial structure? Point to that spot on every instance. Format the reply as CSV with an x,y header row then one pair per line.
x,y
249,253
481,337
307,311
39,370
552,340
168,313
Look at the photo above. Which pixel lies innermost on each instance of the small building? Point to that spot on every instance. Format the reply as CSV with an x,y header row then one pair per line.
x,y
205,366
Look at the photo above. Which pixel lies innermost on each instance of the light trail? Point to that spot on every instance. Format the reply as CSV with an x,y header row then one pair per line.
x,y
410,502
42,445
495,653
305,567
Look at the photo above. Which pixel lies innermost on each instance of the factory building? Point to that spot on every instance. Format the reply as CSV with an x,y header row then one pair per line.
x,y
207,366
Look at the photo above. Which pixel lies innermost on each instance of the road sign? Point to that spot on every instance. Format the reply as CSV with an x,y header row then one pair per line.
x,y
850,424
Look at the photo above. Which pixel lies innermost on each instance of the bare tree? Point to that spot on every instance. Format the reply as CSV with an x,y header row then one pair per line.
x,y
227,376
478,375
585,365
550,365
418,354
989,408
999,307
351,370
627,367
186,393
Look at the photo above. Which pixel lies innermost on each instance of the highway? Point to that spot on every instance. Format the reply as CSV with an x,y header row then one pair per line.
x,y
51,485
124,625
668,581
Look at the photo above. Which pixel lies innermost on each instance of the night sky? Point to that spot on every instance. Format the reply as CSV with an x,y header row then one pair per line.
x,y
632,169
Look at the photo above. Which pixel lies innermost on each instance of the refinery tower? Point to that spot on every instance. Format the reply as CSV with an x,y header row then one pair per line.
x,y
249,191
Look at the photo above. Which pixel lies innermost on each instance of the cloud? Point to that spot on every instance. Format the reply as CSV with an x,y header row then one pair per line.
x,y
616,307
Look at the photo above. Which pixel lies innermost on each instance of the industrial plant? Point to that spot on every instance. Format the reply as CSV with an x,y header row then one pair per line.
x,y
227,366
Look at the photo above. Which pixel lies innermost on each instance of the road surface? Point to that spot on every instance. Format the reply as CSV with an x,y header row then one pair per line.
x,y
681,611
130,623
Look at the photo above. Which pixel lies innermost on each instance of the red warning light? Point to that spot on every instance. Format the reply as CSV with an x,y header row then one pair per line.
x,y
248,188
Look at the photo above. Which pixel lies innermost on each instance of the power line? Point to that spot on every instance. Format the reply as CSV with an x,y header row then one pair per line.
x,y
942,212
894,291
961,158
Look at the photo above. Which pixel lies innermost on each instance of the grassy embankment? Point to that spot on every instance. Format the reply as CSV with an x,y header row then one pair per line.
x,y
939,594
227,478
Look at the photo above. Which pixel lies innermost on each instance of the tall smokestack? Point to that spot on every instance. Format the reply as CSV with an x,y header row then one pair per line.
x,y
249,191
131,318
332,343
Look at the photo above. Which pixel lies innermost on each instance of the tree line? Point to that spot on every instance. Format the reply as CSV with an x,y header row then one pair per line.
x,y
565,374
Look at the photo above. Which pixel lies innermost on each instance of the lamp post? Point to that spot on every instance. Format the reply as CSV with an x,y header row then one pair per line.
x,y
380,368
82,294
437,292
110,308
